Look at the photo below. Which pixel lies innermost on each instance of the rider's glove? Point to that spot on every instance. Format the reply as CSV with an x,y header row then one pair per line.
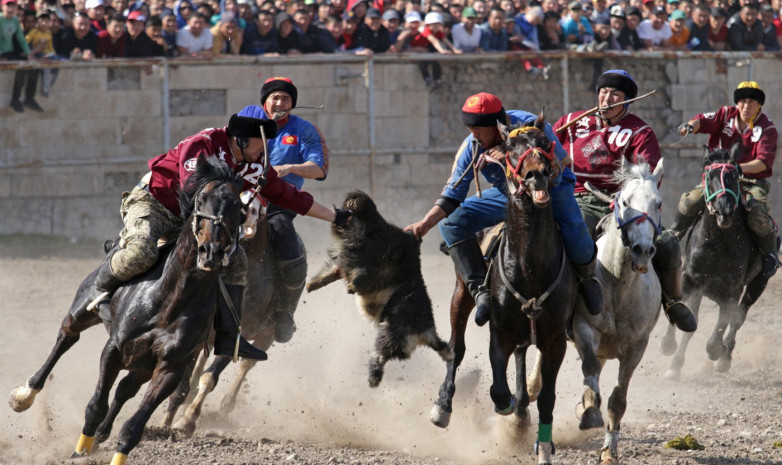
x,y
739,170
686,127
342,216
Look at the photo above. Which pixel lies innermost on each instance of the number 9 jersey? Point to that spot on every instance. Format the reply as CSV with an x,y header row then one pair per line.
x,y
595,149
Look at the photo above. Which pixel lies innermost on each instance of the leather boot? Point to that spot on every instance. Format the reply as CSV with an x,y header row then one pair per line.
x,y
471,266
681,223
589,287
675,310
227,328
293,275
105,281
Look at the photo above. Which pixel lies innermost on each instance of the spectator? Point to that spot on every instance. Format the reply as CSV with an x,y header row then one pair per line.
x,y
494,37
137,43
671,6
372,34
27,19
746,33
655,33
600,10
412,24
770,42
154,30
312,39
432,39
575,28
698,26
550,34
455,9
550,5
466,35
528,23
325,9
287,37
334,28
604,40
718,31
482,10
195,40
169,34
13,46
78,42
96,12
391,21
111,42
245,12
680,35
617,19
359,9
226,36
259,37
183,9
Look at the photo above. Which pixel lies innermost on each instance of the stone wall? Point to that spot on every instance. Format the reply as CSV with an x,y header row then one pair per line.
x,y
62,172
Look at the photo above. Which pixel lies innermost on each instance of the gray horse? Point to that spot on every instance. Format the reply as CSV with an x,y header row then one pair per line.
x,y
631,292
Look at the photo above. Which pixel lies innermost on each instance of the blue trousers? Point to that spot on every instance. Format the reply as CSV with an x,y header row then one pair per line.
x,y
475,214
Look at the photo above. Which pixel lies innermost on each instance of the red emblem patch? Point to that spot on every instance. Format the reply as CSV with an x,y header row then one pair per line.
x,y
290,140
190,165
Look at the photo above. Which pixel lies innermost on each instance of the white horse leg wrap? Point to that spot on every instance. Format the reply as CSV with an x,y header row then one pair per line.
x,y
611,440
544,452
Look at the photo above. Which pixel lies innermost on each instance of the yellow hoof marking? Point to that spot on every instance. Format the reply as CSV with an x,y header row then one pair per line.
x,y
84,446
119,459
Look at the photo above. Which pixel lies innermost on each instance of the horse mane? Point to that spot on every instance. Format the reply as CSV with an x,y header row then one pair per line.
x,y
208,168
641,171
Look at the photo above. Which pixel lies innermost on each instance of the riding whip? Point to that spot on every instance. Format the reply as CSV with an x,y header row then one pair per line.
x,y
608,107
689,130
470,166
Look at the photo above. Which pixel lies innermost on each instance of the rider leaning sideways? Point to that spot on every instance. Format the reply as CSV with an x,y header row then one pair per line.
x,y
463,217
595,143
297,152
746,124
151,212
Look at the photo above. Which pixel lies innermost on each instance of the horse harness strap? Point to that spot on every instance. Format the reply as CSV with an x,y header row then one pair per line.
x,y
229,303
531,307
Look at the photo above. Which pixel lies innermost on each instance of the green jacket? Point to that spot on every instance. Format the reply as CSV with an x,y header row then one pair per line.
x,y
10,31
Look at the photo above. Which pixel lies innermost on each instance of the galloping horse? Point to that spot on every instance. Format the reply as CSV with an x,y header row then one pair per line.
x,y
631,292
530,262
710,271
257,325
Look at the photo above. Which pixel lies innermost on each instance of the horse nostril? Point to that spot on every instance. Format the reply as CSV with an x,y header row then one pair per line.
x,y
529,176
636,249
652,250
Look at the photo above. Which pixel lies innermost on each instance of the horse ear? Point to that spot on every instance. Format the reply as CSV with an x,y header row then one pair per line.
x,y
540,121
658,170
706,156
735,152
504,130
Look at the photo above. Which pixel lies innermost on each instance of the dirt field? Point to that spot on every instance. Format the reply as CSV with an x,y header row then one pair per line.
x,y
310,403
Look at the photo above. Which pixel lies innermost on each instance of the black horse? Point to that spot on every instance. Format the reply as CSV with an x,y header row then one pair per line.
x,y
722,262
161,319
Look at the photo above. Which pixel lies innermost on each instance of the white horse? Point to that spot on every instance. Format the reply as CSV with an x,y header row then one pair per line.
x,y
631,293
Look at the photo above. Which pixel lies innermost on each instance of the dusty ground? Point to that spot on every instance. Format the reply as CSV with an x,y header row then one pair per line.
x,y
310,403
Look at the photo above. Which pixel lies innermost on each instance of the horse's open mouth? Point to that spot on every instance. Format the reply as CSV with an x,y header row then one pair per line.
x,y
640,269
540,197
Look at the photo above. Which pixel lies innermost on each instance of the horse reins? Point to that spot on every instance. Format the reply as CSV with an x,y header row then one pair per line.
x,y
638,219
513,171
710,196
218,221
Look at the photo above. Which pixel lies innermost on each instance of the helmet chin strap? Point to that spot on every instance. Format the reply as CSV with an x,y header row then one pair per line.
x,y
619,116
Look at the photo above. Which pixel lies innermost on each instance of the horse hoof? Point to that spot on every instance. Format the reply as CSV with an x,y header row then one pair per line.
x,y
673,375
186,427
607,457
722,365
592,418
439,417
522,418
579,411
22,398
668,346
227,405
715,351
507,410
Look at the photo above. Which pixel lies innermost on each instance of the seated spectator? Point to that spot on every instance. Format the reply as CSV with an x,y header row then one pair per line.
x,y
137,43
372,34
747,33
412,24
494,36
78,42
550,32
718,31
334,28
349,26
226,36
671,6
628,37
312,39
680,35
259,37
183,9
515,38
466,35
600,10
482,10
245,12
575,28
154,29
111,42
287,37
528,23
325,9
432,39
391,21
655,32
195,40
359,9
96,10
169,34
770,42
604,40
698,26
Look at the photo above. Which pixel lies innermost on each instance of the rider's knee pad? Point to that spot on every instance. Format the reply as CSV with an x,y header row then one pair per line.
x,y
668,255
691,203
758,219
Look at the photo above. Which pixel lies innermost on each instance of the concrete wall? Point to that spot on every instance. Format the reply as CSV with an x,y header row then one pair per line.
x,y
62,171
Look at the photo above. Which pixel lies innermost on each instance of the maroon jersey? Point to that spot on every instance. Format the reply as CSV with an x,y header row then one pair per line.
x,y
596,149
758,143
171,170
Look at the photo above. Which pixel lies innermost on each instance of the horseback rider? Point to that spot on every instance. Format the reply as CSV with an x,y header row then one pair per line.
x,y
594,144
464,217
746,124
151,212
298,151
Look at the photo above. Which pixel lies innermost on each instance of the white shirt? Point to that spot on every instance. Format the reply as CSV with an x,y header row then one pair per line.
x,y
463,40
184,38
647,32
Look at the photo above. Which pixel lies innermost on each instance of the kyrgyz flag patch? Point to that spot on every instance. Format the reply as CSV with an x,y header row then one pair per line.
x,y
289,140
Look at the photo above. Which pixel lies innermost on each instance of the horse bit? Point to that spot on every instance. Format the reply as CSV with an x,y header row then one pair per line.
x,y
710,196
638,219
218,221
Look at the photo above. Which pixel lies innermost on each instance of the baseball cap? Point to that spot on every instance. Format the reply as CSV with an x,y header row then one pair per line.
x,y
658,10
469,12
137,16
677,15
349,16
388,15
433,17
617,12
93,4
673,1
631,10
718,12
6,2
603,20
413,16
373,13
574,5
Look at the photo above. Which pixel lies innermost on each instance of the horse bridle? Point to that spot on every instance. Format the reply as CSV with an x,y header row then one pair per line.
x,y
711,196
511,171
218,221
638,219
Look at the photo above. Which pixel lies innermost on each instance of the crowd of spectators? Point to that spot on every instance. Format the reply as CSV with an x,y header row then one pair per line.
x,y
95,29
